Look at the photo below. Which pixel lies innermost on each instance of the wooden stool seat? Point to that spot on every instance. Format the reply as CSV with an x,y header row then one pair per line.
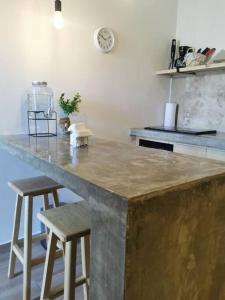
x,y
67,224
26,190
35,186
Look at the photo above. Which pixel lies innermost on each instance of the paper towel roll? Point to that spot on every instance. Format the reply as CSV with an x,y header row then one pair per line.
x,y
170,115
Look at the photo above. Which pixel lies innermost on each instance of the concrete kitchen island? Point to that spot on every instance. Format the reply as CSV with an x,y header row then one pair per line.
x,y
158,218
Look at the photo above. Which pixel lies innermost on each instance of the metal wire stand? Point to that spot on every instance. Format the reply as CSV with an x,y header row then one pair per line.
x,y
36,118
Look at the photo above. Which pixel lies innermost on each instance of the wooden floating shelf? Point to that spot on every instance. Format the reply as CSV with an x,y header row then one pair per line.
x,y
192,70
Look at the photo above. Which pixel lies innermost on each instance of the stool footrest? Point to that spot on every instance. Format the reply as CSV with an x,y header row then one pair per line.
x,y
59,290
40,259
35,238
35,261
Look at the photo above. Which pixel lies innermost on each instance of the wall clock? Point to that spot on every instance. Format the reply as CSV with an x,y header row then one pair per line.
x,y
104,39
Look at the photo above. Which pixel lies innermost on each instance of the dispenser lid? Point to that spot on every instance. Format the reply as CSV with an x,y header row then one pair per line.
x,y
43,83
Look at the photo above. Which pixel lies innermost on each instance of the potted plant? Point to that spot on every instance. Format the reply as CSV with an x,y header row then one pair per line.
x,y
68,106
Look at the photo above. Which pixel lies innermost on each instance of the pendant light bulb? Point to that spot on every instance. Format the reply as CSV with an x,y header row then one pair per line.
x,y
58,17
58,20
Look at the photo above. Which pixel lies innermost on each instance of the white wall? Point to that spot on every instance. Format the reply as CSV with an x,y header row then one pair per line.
x,y
202,98
119,89
201,23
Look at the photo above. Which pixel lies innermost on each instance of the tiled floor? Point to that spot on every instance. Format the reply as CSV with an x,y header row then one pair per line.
x,y
11,289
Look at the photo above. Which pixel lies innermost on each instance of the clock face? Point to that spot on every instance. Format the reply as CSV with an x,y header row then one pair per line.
x,y
104,39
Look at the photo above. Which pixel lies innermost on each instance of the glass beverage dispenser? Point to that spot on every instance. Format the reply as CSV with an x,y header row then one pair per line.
x,y
42,119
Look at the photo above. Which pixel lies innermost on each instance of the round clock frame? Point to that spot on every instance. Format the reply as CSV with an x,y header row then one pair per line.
x,y
106,34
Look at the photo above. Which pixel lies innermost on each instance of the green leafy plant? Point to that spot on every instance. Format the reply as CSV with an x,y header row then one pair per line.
x,y
69,106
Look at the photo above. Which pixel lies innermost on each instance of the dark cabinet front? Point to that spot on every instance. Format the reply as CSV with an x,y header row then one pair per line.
x,y
156,145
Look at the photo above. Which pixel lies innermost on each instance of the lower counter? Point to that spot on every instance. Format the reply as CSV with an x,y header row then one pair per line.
x,y
200,146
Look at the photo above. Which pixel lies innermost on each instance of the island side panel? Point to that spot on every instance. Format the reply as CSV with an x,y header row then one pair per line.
x,y
108,245
176,244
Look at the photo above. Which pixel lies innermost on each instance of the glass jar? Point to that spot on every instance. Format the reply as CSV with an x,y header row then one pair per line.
x,y
40,98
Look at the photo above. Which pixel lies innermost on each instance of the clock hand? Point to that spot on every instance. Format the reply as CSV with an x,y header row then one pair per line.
x,y
102,36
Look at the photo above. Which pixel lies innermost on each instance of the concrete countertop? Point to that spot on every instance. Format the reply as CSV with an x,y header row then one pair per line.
x,y
122,169
213,141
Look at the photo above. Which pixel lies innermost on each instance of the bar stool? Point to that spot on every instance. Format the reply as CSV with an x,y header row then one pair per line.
x,y
26,190
67,224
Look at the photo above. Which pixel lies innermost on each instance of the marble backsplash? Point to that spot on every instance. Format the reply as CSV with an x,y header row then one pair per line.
x,y
201,100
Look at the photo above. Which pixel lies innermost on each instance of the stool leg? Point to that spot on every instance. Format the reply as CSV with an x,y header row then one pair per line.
x,y
46,207
85,256
46,202
60,244
70,270
15,236
49,265
27,248
55,198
